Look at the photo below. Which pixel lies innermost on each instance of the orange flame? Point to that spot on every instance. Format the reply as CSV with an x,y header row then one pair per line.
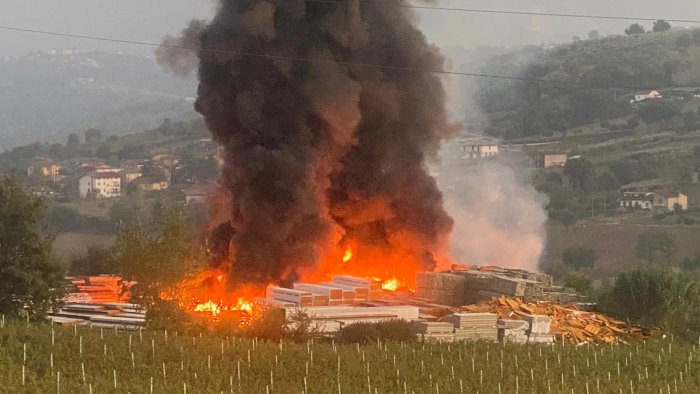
x,y
348,255
391,284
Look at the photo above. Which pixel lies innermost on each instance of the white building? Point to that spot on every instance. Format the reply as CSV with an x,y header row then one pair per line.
x,y
637,200
101,184
653,95
477,148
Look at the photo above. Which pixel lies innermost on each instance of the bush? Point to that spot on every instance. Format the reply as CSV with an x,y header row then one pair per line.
x,y
578,257
270,326
167,315
393,330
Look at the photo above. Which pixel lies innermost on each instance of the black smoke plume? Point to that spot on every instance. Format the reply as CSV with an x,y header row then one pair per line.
x,y
328,112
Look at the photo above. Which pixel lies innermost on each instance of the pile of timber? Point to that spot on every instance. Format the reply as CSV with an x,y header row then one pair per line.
x,y
473,284
474,326
343,290
108,315
435,331
329,319
96,290
566,323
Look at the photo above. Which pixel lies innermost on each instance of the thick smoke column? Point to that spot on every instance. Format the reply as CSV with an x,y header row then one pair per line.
x,y
321,150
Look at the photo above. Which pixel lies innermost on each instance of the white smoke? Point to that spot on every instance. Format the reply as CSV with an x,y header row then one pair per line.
x,y
499,217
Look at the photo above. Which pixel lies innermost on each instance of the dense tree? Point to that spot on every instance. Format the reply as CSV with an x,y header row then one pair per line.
x,y
653,243
93,136
594,35
683,41
29,279
657,111
96,261
578,257
580,173
104,152
634,28
73,143
661,26
157,256
696,36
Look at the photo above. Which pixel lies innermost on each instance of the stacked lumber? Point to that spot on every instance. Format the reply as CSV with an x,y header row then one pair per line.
x,y
96,290
333,295
513,330
567,323
109,315
373,287
296,297
474,326
435,331
331,319
441,287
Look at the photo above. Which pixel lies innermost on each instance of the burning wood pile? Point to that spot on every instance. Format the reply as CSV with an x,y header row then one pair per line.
x,y
96,290
567,322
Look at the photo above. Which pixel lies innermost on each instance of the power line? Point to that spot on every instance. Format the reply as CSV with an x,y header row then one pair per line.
x,y
526,13
308,60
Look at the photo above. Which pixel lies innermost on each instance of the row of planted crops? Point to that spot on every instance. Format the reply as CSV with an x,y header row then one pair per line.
x,y
41,358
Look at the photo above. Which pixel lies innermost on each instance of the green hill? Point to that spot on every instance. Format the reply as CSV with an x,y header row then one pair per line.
x,y
589,84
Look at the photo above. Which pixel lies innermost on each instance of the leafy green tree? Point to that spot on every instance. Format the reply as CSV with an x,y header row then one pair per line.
x,y
683,41
578,281
634,28
29,278
640,296
73,143
594,35
653,243
158,256
104,152
96,261
661,26
658,110
580,173
93,136
578,257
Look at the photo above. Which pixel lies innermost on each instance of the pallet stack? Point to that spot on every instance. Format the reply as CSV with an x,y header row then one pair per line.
x,y
441,288
331,319
435,331
96,290
540,328
474,326
108,315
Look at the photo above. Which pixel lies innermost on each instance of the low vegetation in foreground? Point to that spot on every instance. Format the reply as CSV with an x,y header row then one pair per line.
x,y
37,358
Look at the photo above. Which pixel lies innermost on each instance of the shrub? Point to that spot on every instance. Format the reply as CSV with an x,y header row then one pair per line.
x,y
270,326
578,257
393,330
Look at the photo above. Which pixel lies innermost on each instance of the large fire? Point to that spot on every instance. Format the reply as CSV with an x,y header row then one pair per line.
x,y
208,295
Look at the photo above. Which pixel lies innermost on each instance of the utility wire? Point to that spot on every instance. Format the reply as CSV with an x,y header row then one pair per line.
x,y
524,13
308,60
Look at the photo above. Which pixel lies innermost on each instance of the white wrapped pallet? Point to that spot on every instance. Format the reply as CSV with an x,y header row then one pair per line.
x,y
297,297
371,285
333,293
350,292
539,324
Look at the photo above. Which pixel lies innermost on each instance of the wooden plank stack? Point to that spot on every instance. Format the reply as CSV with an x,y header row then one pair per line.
x,y
108,315
474,326
96,290
435,331
440,287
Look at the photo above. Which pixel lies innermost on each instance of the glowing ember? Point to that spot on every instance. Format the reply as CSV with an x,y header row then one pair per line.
x,y
390,285
348,255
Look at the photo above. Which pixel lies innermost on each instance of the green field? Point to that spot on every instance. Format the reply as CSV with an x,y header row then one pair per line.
x,y
90,360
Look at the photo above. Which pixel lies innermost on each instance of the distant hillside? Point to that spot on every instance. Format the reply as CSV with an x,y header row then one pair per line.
x,y
46,96
669,62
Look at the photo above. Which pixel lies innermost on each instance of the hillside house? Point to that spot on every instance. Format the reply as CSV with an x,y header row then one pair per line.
x,y
474,149
637,200
45,168
653,95
146,184
669,200
101,184
551,159
654,200
199,192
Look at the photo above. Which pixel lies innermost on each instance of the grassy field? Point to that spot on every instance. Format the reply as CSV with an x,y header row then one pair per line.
x,y
36,359
614,243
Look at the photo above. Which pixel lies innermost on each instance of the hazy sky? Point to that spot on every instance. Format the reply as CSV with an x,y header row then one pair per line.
x,y
149,20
